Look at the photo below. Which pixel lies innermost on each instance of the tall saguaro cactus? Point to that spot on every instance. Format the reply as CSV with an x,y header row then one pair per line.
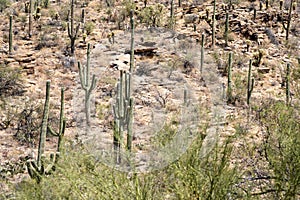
x,y
37,168
287,85
10,35
250,83
229,88
30,18
202,52
214,25
172,14
87,85
123,114
288,24
72,32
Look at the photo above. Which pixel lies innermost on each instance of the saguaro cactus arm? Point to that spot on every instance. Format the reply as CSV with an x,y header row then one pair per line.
x,y
62,122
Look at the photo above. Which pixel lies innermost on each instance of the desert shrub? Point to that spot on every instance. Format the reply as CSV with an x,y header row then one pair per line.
x,y
79,175
4,4
29,121
10,81
281,150
89,27
152,15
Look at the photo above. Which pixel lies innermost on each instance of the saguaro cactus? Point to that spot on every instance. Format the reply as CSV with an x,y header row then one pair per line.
x,y
250,83
37,169
229,88
202,53
30,18
62,122
87,85
287,84
123,113
288,24
213,25
172,19
10,35
72,32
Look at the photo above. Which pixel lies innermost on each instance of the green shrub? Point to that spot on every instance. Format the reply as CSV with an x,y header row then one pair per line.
x,y
153,15
281,150
4,4
10,81
89,27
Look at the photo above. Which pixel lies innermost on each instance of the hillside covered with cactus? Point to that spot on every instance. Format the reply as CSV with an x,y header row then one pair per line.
x,y
123,99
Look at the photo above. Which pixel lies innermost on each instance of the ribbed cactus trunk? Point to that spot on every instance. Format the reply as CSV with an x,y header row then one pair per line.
x,y
287,84
172,14
213,25
202,52
229,88
287,27
10,48
30,19
72,32
250,83
44,127
87,85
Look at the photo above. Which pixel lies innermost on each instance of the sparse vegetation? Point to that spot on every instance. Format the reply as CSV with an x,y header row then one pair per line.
x,y
243,146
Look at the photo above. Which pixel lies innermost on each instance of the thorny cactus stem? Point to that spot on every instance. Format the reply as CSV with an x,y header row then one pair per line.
x,y
288,25
72,33
62,122
43,132
30,19
250,83
213,25
10,34
229,88
287,82
202,53
87,85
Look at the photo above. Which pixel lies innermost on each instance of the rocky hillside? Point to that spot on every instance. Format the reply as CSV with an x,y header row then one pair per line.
x,y
167,62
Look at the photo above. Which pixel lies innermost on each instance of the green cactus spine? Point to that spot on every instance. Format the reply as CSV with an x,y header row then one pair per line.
x,y
202,52
72,32
250,83
254,14
226,29
10,35
213,25
87,85
287,83
62,122
229,88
